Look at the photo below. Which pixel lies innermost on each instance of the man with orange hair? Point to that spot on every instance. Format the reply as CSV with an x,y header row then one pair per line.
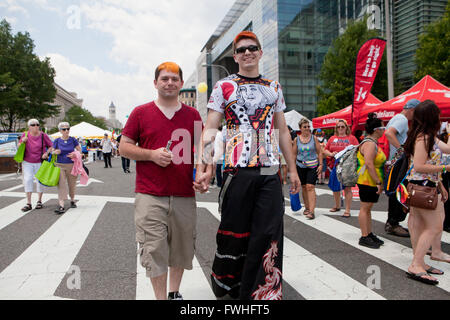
x,y
165,208
248,260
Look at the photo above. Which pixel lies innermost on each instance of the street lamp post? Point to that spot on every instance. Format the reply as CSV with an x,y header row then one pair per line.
x,y
217,66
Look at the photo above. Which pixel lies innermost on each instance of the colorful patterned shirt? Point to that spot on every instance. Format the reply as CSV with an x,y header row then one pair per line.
x,y
365,178
249,105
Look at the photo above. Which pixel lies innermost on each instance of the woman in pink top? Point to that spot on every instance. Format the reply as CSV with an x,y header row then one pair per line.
x,y
338,142
37,147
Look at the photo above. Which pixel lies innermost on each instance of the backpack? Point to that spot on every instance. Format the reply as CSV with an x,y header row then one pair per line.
x,y
396,172
383,143
346,169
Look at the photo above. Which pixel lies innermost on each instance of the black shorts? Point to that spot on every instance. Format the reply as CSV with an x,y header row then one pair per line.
x,y
368,193
307,175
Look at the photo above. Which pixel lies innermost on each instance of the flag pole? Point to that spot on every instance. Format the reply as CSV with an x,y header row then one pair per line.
x,y
389,50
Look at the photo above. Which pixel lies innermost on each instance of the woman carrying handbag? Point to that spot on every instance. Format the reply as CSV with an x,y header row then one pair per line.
x,y
37,147
425,219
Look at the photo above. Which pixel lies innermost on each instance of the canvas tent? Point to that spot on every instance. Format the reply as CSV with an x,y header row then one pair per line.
x,y
292,119
426,88
329,120
86,131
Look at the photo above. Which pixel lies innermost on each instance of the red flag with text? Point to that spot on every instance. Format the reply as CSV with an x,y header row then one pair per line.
x,y
367,63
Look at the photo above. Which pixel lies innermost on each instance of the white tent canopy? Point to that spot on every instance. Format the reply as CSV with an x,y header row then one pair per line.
x,y
84,130
292,119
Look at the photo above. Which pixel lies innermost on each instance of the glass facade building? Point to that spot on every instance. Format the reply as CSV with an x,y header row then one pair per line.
x,y
296,35
410,19
306,30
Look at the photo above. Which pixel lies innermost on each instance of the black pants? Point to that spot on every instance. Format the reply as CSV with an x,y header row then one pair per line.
x,y
395,211
125,164
248,261
107,158
445,182
219,174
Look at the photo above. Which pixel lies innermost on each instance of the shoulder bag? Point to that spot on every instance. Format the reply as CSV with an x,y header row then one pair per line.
x,y
20,151
48,173
423,197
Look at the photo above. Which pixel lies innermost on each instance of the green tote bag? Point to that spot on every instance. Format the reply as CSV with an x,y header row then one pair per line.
x,y
20,152
48,173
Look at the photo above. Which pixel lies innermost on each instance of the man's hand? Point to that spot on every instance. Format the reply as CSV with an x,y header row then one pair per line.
x,y
202,179
162,157
295,182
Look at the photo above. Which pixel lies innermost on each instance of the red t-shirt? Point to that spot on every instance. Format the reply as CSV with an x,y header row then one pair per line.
x,y
336,143
151,129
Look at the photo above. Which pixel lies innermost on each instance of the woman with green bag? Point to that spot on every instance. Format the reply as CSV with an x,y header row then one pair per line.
x,y
37,147
64,147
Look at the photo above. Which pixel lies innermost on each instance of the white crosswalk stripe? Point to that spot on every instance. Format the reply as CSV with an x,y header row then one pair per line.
x,y
40,269
319,280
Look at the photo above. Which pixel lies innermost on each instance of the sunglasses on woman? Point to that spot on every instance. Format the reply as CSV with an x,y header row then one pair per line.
x,y
341,127
34,125
65,129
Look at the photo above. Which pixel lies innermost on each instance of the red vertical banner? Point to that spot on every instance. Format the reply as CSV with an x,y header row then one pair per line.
x,y
367,63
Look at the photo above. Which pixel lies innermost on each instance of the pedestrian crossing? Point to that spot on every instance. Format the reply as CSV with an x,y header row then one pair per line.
x,y
322,258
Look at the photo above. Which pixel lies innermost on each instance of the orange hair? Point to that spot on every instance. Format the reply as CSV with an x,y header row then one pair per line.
x,y
245,35
169,66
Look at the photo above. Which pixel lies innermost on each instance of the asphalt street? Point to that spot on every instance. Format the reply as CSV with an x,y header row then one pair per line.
x,y
90,251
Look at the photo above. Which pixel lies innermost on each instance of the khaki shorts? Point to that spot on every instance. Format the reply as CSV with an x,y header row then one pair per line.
x,y
165,231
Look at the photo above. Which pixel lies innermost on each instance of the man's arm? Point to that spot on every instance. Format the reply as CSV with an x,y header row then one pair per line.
x,y
391,135
130,150
286,148
205,153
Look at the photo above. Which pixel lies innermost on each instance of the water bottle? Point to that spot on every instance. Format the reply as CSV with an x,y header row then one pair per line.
x,y
295,201
194,174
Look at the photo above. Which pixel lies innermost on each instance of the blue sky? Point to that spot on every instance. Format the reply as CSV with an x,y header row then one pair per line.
x,y
107,50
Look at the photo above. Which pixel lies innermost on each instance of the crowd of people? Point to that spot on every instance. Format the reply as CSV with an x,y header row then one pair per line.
x,y
251,170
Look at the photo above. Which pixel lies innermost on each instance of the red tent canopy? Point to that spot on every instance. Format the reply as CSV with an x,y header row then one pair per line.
x,y
426,88
329,120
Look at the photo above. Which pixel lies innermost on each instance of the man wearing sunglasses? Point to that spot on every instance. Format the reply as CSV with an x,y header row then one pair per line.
x,y
248,260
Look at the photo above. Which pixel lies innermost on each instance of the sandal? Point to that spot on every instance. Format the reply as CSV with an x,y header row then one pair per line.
x,y
439,259
39,205
28,207
346,215
310,216
433,270
60,210
306,212
335,209
420,277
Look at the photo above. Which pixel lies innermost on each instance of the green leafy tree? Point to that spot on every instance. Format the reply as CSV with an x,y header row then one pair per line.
x,y
338,70
26,82
432,55
76,115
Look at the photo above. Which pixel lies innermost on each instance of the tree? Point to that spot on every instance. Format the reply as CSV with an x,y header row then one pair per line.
x,y
338,70
76,115
432,57
26,82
